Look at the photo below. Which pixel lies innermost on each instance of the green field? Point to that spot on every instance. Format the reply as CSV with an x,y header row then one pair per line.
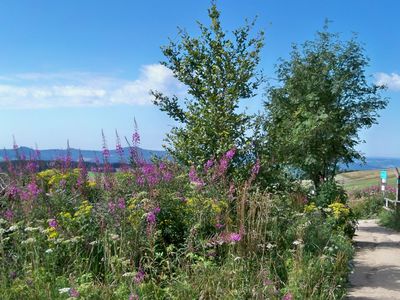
x,y
362,179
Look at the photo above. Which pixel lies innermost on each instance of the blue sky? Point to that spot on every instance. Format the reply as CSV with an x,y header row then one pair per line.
x,y
71,68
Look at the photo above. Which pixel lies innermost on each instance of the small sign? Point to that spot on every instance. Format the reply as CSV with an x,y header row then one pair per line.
x,y
383,175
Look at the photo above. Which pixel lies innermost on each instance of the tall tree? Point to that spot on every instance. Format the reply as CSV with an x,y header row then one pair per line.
x,y
322,101
218,69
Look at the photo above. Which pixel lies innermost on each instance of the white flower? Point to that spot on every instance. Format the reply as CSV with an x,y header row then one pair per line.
x,y
297,242
49,251
13,228
31,228
93,243
114,236
128,274
64,290
28,241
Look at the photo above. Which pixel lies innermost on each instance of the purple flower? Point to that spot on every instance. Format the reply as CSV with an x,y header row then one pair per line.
x,y
288,296
139,277
151,218
53,223
121,203
256,168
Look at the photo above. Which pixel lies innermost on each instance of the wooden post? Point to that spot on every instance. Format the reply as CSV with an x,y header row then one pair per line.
x,y
397,186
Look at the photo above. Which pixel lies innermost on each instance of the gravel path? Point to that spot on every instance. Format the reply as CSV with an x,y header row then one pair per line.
x,y
377,263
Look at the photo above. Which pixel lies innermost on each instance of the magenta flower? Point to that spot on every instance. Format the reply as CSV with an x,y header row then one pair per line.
x,y
9,215
229,155
288,296
256,168
234,237
73,293
139,277
151,218
219,226
194,178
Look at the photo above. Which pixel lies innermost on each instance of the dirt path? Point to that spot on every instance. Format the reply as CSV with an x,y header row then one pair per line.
x,y
377,263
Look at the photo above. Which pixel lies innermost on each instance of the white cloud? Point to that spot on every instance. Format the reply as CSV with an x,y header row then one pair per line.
x,y
391,81
71,89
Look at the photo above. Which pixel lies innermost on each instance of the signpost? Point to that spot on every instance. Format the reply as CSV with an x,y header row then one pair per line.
x,y
383,180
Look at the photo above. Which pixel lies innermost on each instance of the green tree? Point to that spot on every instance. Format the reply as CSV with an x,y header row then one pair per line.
x,y
218,69
322,101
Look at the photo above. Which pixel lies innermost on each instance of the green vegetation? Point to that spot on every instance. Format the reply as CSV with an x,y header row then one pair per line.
x,y
225,220
390,219
324,99
219,70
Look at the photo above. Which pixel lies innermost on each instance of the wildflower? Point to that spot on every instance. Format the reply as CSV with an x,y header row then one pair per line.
x,y
297,242
52,233
133,297
288,296
29,241
229,155
53,223
121,203
208,165
139,277
234,237
219,226
13,228
111,207
256,168
9,215
151,218
48,251
64,290
194,178
73,293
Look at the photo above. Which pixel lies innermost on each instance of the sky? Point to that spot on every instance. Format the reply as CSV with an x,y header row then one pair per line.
x,y
70,68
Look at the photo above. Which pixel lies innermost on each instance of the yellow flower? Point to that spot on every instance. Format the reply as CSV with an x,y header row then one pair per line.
x,y
310,208
339,210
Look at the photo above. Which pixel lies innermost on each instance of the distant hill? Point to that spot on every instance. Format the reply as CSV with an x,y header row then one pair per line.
x,y
373,163
88,155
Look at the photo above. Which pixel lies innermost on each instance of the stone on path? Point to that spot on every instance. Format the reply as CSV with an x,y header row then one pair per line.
x,y
377,263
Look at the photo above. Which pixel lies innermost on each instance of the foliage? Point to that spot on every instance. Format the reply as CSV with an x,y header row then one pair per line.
x,y
390,219
323,100
219,70
157,230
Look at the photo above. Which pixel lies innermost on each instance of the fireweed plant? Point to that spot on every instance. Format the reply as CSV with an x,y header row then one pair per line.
x,y
156,230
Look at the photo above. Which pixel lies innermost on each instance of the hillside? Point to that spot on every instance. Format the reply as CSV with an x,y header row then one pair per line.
x,y
361,179
88,155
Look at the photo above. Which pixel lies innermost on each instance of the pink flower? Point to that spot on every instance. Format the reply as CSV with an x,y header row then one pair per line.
x,y
133,297
234,237
288,296
121,203
73,293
